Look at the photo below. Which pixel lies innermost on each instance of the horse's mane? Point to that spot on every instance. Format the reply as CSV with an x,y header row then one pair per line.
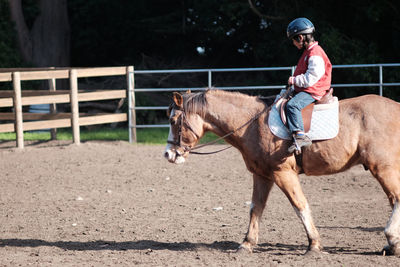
x,y
196,103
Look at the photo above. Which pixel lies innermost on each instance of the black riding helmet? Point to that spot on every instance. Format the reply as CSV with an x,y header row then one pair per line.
x,y
299,26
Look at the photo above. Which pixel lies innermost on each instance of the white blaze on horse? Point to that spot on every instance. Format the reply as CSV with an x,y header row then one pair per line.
x,y
368,135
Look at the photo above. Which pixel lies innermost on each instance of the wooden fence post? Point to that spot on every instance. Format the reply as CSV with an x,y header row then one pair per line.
x,y
18,109
53,107
130,79
73,81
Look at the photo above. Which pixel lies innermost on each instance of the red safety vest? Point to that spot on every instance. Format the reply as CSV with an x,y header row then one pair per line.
x,y
318,89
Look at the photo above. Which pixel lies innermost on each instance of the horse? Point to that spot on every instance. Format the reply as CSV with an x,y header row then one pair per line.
x,y
369,130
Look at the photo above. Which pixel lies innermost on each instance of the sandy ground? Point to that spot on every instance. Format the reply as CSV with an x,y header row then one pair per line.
x,y
112,203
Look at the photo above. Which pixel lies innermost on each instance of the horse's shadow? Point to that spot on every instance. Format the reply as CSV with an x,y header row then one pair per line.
x,y
150,245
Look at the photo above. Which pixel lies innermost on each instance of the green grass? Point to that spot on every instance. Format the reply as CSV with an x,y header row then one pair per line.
x,y
144,136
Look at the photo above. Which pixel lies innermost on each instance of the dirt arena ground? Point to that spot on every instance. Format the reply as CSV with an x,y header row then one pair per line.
x,y
116,204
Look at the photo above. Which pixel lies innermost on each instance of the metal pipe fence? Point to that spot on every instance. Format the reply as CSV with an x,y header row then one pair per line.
x,y
379,84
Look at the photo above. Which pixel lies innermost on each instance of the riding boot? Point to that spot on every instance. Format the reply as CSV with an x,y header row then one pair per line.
x,y
299,141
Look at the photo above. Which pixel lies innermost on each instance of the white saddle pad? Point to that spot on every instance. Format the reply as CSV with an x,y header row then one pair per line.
x,y
324,122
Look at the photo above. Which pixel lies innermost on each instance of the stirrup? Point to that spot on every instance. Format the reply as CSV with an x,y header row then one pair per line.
x,y
298,144
294,147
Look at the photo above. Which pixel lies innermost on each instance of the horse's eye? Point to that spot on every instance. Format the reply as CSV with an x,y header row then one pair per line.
x,y
172,121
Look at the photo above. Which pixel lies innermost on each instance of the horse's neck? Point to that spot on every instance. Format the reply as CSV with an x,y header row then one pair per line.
x,y
227,113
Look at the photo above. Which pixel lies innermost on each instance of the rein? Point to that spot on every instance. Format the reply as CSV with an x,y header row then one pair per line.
x,y
190,149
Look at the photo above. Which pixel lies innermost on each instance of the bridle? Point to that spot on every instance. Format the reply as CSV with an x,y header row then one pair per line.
x,y
178,142
189,149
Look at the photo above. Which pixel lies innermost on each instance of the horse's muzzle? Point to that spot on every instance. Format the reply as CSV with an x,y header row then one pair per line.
x,y
172,156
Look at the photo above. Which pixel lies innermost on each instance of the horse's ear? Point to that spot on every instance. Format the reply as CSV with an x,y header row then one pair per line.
x,y
178,99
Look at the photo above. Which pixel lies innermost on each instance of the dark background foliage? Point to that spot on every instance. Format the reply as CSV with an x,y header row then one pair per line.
x,y
165,34
121,32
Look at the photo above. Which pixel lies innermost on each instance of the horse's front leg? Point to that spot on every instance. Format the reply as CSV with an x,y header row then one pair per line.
x,y
261,188
288,182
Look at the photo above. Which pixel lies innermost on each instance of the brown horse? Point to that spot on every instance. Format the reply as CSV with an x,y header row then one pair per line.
x,y
369,131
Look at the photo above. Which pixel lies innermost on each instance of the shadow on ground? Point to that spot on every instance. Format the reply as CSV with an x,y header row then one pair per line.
x,y
150,245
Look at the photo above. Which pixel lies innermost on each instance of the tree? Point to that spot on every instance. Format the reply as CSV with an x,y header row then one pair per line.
x,y
47,42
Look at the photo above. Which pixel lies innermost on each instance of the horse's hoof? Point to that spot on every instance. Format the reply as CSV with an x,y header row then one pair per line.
x,y
391,251
313,252
244,250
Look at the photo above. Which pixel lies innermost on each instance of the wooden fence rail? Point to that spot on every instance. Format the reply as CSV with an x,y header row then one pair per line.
x,y
18,98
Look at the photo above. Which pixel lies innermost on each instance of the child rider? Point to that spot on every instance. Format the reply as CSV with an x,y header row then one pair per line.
x,y
311,78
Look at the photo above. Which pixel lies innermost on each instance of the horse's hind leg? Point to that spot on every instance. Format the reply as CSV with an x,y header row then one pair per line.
x,y
392,231
389,178
261,189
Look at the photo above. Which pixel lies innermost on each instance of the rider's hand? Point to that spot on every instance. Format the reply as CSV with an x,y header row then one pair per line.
x,y
291,80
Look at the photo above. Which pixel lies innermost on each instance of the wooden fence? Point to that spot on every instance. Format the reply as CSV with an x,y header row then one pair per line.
x,y
18,98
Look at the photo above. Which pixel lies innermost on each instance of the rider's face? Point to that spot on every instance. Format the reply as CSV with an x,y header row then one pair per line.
x,y
298,44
